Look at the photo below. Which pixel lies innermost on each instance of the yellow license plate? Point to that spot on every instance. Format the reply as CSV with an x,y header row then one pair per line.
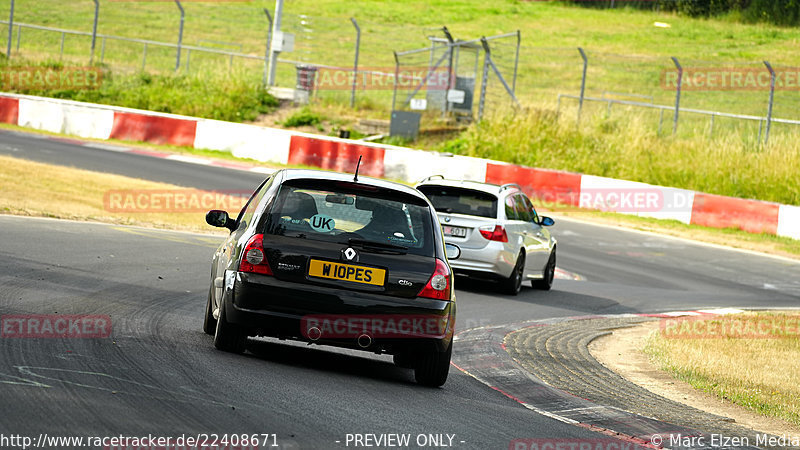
x,y
346,272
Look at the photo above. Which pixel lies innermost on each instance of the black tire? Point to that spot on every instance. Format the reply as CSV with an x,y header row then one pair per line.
x,y
433,367
549,274
228,337
404,360
209,322
513,284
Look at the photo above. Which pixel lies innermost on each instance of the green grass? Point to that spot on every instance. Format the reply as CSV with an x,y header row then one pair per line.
x,y
231,97
549,61
727,165
627,55
304,117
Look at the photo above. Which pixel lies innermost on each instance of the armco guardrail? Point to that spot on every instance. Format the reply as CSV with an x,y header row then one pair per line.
x,y
554,188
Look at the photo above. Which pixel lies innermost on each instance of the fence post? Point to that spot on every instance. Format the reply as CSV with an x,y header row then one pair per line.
x,y
771,99
355,62
94,29
396,74
266,52
180,37
276,28
450,42
19,36
61,55
103,50
583,82
677,95
484,80
10,30
711,129
516,63
144,56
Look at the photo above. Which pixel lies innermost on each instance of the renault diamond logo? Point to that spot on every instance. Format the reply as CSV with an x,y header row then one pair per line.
x,y
349,254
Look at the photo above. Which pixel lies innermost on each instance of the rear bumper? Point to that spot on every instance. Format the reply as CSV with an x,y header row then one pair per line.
x,y
266,306
493,260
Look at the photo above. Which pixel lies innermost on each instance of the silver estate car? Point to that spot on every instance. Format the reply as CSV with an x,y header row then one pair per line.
x,y
498,230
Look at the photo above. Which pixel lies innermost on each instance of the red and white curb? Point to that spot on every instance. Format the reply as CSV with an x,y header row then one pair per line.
x,y
88,120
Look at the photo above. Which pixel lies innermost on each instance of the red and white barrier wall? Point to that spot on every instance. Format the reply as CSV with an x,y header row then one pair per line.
x,y
552,188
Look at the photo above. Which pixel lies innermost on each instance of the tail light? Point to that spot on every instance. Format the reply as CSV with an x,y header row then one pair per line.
x,y
253,258
496,234
440,283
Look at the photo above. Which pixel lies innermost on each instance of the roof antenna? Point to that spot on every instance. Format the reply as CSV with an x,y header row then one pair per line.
x,y
355,175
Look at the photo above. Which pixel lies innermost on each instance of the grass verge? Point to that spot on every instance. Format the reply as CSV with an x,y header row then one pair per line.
x,y
44,190
227,95
729,165
757,373
634,55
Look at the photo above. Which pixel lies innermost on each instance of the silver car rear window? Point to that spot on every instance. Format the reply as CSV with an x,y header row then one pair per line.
x,y
455,200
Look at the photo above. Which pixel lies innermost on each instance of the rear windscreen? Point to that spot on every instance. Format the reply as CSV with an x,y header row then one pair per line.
x,y
456,200
338,212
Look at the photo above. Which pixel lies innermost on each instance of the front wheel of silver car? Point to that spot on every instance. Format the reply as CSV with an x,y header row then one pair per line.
x,y
513,284
549,274
228,337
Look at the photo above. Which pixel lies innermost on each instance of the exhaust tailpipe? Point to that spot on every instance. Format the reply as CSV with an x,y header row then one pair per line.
x,y
314,333
364,340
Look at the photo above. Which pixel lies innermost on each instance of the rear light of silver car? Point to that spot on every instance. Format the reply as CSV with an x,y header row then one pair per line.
x,y
498,233
440,283
253,258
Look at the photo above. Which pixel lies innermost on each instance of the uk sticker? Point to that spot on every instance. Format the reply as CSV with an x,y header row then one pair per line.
x,y
322,223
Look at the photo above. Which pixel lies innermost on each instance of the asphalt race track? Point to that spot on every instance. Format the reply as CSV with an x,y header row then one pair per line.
x,y
159,374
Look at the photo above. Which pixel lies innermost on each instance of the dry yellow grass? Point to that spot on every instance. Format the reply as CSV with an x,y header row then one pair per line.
x,y
738,358
36,189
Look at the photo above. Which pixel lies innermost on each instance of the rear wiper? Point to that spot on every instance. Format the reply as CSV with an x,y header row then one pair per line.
x,y
443,210
372,245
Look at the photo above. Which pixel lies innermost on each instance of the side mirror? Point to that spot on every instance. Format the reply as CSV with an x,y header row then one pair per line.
x,y
219,218
546,221
452,251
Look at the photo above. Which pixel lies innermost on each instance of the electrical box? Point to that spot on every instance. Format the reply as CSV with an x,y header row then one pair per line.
x,y
283,42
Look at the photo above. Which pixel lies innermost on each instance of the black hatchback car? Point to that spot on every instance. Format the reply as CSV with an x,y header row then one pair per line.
x,y
330,258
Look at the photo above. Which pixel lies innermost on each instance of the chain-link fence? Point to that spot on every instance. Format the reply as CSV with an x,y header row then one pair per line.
x,y
683,96
360,63
458,78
